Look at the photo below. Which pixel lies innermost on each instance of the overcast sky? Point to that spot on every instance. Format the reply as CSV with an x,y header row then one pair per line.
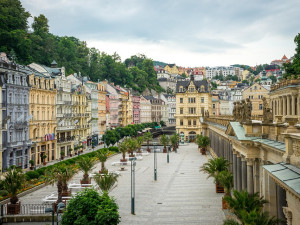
x,y
185,32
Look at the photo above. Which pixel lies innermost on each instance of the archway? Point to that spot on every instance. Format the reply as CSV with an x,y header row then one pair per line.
x,y
192,136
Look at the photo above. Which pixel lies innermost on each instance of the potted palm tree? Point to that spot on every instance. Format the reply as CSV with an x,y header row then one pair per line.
x,y
225,178
102,155
132,145
213,167
12,183
139,142
44,157
75,150
59,175
148,137
85,165
164,140
70,152
62,154
203,142
198,141
106,181
31,162
123,148
173,141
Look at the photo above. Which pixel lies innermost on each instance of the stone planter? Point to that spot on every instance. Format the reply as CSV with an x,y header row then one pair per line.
x,y
219,188
13,209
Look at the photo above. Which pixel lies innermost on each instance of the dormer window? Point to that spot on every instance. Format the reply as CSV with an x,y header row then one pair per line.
x,y
180,89
191,89
202,88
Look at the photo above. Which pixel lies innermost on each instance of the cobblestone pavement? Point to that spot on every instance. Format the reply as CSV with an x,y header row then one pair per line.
x,y
181,194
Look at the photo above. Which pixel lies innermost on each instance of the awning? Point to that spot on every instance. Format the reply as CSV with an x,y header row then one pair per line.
x,y
288,175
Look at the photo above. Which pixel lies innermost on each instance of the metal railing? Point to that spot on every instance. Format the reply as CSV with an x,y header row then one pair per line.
x,y
24,209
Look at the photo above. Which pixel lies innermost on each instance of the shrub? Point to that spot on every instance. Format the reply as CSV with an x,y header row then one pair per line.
x,y
41,171
32,175
113,149
88,208
3,193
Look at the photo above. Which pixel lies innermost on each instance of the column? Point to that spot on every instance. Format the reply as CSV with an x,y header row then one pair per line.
x,y
256,165
288,100
284,106
298,105
281,202
239,173
250,185
280,106
293,105
230,159
234,169
244,174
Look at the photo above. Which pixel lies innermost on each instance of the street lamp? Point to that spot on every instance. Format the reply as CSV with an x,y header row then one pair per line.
x,y
178,137
133,163
155,161
168,159
48,210
60,205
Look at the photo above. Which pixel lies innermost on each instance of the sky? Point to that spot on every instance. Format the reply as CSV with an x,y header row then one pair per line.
x,y
185,32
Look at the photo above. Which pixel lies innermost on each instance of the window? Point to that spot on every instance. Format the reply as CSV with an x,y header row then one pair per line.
x,y
192,110
202,99
260,106
194,122
180,89
192,89
181,100
181,110
189,122
214,106
255,88
181,122
192,100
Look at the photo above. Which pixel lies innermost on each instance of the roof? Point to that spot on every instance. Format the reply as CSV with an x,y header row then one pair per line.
x,y
287,174
170,65
186,83
241,136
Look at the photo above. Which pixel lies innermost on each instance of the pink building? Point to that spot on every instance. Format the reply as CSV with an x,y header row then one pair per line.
x,y
136,109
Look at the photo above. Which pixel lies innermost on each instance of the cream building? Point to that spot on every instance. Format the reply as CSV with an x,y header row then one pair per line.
x,y
145,110
255,93
101,108
193,99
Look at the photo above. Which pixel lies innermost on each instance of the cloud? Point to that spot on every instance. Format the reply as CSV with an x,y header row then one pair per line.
x,y
191,28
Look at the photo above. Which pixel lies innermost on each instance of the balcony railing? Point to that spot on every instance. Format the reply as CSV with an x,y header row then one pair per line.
x,y
68,139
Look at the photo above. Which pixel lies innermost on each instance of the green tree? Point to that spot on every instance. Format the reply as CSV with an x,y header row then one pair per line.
x,y
273,78
225,179
86,164
123,148
40,25
214,166
89,208
164,140
293,68
102,155
148,137
173,141
106,181
139,142
13,182
162,123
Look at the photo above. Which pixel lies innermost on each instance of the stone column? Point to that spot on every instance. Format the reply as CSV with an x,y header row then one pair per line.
x,y
281,202
234,169
230,160
239,173
288,100
293,105
244,174
280,106
284,106
250,185
298,105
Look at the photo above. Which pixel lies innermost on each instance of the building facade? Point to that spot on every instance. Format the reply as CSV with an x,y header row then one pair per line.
x,y
101,109
16,143
193,99
145,110
171,103
156,110
136,109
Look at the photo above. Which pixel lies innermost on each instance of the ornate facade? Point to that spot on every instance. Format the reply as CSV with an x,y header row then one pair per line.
x,y
145,110
16,143
193,99
101,108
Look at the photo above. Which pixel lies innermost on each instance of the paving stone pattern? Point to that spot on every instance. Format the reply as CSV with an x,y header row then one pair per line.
x,y
181,194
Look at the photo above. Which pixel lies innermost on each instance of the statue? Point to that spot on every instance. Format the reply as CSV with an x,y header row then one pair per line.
x,y
238,111
243,111
234,110
248,110
267,112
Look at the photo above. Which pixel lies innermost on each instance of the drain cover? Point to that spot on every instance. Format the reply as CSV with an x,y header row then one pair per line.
x,y
159,203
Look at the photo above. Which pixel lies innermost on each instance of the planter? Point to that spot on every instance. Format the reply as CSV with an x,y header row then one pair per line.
x,y
70,155
44,163
31,167
75,153
165,150
148,150
85,181
219,188
13,209
62,157
225,205
203,151
66,194
123,160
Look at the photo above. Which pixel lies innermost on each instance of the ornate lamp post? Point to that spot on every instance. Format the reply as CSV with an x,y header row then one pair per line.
x,y
168,159
155,161
60,205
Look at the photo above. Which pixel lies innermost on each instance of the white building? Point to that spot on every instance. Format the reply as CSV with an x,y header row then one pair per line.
x,y
145,110
171,103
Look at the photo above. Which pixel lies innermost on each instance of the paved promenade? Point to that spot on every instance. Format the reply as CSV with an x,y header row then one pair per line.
x,y
181,195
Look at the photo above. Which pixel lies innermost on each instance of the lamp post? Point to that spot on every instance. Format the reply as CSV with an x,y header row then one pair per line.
x,y
60,205
133,162
155,161
168,159
178,141
48,210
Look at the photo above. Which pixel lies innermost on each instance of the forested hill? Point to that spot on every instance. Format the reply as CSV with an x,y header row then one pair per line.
x,y
42,47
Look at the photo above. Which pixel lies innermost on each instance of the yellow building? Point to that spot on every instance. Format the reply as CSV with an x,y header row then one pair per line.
x,y
81,114
125,109
171,68
101,108
193,100
245,74
255,93
42,126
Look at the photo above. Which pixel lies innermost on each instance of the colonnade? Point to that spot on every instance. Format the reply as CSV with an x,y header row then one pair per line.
x,y
286,105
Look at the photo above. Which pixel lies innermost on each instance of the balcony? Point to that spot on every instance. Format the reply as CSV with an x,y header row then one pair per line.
x,y
63,128
59,115
20,125
68,115
68,139
85,114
